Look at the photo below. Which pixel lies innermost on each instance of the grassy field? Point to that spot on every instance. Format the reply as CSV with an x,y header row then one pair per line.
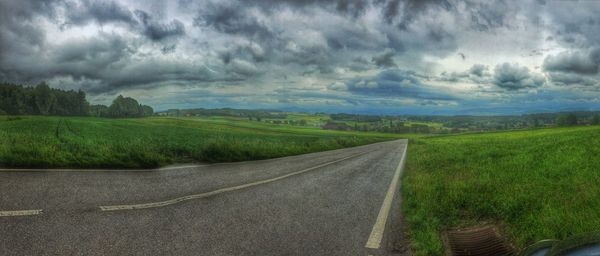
x,y
85,142
315,120
534,185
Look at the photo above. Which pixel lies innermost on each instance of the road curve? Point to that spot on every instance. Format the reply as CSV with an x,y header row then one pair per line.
x,y
340,202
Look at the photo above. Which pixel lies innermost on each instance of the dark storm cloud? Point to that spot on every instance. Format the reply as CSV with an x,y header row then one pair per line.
x,y
561,78
250,51
478,70
584,63
153,74
19,32
274,44
157,31
477,74
353,36
408,10
161,31
576,27
88,58
225,56
359,64
352,8
385,59
574,67
311,57
429,36
250,20
168,49
27,9
105,64
99,11
103,12
20,35
102,50
84,58
396,83
391,10
149,74
453,76
27,57
243,68
514,77
487,15
233,18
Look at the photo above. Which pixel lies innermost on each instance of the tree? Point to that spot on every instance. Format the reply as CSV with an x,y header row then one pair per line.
x,y
569,119
98,111
83,106
41,100
44,98
147,110
124,107
128,107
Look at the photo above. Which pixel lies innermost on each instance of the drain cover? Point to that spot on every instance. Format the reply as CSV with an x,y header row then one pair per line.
x,y
483,240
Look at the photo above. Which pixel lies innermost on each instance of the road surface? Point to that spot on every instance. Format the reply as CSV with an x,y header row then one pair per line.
x,y
340,202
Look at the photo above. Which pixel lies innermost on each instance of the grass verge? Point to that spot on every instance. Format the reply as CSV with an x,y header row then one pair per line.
x,y
537,184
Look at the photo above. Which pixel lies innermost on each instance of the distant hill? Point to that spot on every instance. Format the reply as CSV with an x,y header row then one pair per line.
x,y
401,123
223,112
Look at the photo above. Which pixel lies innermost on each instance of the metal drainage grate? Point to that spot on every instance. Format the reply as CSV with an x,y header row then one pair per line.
x,y
484,240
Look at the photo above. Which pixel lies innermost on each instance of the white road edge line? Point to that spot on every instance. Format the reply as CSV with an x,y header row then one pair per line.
x,y
20,213
376,236
215,192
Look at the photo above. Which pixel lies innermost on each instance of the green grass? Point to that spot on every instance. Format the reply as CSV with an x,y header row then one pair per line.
x,y
536,184
85,142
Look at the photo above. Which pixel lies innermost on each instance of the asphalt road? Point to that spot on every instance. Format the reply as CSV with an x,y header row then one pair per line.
x,y
327,203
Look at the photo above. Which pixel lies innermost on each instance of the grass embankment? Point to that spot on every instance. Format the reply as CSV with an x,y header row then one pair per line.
x,y
535,185
84,142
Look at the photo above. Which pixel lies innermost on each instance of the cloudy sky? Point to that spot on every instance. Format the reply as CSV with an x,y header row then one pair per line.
x,y
354,56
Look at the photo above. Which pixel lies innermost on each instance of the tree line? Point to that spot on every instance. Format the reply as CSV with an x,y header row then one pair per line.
x,y
43,100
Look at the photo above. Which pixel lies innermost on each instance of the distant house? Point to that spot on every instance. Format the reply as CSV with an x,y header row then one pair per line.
x,y
337,126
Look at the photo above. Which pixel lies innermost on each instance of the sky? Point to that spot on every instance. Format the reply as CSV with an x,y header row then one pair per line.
x,y
351,56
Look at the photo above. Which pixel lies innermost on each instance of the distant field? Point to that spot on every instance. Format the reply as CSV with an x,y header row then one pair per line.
x,y
536,184
405,123
86,142
310,119
430,124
